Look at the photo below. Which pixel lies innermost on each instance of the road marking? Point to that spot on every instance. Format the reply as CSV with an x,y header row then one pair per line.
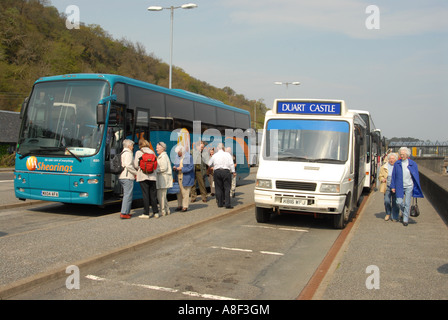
x,y
275,228
272,253
248,250
164,289
232,249
157,288
92,277
205,296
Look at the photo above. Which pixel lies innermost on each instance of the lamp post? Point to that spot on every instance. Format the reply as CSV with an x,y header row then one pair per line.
x,y
295,83
157,8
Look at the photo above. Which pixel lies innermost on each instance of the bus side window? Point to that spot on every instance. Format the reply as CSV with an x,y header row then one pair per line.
x,y
129,124
142,125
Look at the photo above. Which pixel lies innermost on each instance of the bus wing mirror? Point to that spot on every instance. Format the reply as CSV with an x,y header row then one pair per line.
x,y
24,104
101,113
101,109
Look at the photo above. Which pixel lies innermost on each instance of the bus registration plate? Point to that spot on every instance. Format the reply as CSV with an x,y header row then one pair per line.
x,y
296,202
50,194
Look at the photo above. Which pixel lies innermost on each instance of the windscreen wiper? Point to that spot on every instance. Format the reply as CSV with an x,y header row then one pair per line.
x,y
77,158
60,149
26,154
48,149
327,160
293,159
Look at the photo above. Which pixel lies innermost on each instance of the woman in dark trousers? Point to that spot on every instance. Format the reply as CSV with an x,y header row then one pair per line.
x,y
147,181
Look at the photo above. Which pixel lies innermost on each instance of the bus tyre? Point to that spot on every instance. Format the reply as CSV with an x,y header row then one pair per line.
x,y
262,215
340,220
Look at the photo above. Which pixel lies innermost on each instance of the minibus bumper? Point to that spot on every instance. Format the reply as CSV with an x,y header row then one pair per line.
x,y
300,202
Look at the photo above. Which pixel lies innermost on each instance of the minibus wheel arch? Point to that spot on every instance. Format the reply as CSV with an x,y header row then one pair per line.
x,y
340,220
263,215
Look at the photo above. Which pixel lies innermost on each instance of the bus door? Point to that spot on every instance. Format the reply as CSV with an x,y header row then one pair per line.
x,y
113,146
358,140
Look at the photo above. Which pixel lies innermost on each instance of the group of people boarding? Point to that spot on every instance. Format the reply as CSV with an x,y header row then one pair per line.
x,y
179,177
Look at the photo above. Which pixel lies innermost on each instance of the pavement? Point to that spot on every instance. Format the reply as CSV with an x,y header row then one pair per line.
x,y
384,260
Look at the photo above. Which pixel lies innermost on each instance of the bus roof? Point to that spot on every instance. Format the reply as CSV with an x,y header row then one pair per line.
x,y
370,124
113,78
319,107
360,111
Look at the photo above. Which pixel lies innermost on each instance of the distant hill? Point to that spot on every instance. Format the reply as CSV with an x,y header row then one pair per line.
x,y
35,42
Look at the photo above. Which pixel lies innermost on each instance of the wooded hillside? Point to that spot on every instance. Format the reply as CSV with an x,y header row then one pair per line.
x,y
35,42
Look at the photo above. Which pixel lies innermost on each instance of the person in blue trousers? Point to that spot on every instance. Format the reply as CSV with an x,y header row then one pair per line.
x,y
127,178
385,177
405,182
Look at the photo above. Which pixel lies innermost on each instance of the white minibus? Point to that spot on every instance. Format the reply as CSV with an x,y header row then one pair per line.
x,y
312,160
373,141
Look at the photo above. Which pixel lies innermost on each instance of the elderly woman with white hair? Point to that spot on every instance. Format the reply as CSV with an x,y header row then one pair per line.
x,y
184,168
405,182
127,178
385,177
164,177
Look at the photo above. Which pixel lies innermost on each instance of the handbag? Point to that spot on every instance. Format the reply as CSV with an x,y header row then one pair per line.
x,y
415,211
174,189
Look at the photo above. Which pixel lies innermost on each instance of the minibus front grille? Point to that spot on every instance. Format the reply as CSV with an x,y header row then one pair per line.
x,y
293,185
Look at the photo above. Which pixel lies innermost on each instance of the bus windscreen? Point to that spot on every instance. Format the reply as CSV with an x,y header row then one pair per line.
x,y
307,140
61,118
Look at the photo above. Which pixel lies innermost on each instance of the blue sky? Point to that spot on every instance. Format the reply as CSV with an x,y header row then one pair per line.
x,y
398,72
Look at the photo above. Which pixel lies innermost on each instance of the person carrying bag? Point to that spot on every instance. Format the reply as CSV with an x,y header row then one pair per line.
x,y
147,179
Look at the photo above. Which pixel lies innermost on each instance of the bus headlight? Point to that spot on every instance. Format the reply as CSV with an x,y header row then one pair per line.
x,y
330,188
265,184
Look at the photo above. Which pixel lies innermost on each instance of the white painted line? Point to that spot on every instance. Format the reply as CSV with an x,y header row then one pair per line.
x,y
164,289
289,229
248,250
206,296
275,228
157,288
272,253
232,249
92,277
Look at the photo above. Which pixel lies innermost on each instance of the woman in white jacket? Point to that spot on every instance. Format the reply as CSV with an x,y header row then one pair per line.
x,y
147,181
127,178
164,177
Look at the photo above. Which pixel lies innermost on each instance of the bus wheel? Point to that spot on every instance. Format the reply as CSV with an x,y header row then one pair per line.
x,y
262,215
340,220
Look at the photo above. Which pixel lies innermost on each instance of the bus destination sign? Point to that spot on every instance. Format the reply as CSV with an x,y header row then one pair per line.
x,y
318,107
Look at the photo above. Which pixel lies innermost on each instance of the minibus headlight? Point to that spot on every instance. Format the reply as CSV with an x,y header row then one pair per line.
x,y
330,188
265,184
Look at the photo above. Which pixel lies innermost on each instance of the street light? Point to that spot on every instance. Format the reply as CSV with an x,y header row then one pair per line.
x,y
295,83
157,8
